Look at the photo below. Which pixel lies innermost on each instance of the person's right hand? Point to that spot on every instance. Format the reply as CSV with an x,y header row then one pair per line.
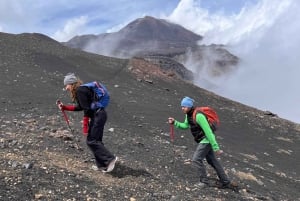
x,y
171,120
59,104
63,107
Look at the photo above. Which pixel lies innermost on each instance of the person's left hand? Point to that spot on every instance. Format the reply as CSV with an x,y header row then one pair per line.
x,y
85,126
219,152
171,120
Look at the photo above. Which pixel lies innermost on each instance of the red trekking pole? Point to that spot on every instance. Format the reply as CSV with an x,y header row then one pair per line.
x,y
68,123
172,136
65,116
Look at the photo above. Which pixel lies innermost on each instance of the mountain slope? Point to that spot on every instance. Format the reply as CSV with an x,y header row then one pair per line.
x,y
141,36
42,160
162,40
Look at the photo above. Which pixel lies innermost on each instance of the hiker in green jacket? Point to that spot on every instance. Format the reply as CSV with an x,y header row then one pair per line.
x,y
207,144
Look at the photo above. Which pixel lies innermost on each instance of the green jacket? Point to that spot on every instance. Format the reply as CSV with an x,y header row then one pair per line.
x,y
202,121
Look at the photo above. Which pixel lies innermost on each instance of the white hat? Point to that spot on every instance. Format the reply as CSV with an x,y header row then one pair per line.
x,y
70,78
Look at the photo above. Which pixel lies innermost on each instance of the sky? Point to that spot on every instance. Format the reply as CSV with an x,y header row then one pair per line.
x,y
264,34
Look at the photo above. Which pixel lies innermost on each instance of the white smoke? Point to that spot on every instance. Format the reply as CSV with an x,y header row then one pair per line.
x,y
71,28
265,37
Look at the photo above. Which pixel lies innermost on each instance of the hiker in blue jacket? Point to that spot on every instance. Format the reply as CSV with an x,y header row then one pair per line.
x,y
207,144
94,120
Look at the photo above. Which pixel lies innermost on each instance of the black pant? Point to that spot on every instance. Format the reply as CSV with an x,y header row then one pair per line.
x,y
94,139
205,151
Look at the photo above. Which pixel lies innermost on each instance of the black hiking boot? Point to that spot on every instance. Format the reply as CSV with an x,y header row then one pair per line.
x,y
201,185
230,185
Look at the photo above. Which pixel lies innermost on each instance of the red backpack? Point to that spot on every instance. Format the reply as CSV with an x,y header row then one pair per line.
x,y
210,114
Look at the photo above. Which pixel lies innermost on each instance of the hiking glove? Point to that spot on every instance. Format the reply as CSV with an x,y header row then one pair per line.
x,y
68,107
85,126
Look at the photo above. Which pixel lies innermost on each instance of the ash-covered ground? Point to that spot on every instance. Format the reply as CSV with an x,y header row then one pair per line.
x,y
42,160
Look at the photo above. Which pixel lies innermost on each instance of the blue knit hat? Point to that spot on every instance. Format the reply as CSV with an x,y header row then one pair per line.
x,y
187,102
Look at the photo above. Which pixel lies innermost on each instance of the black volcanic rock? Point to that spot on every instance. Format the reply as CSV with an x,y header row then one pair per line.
x,y
40,159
